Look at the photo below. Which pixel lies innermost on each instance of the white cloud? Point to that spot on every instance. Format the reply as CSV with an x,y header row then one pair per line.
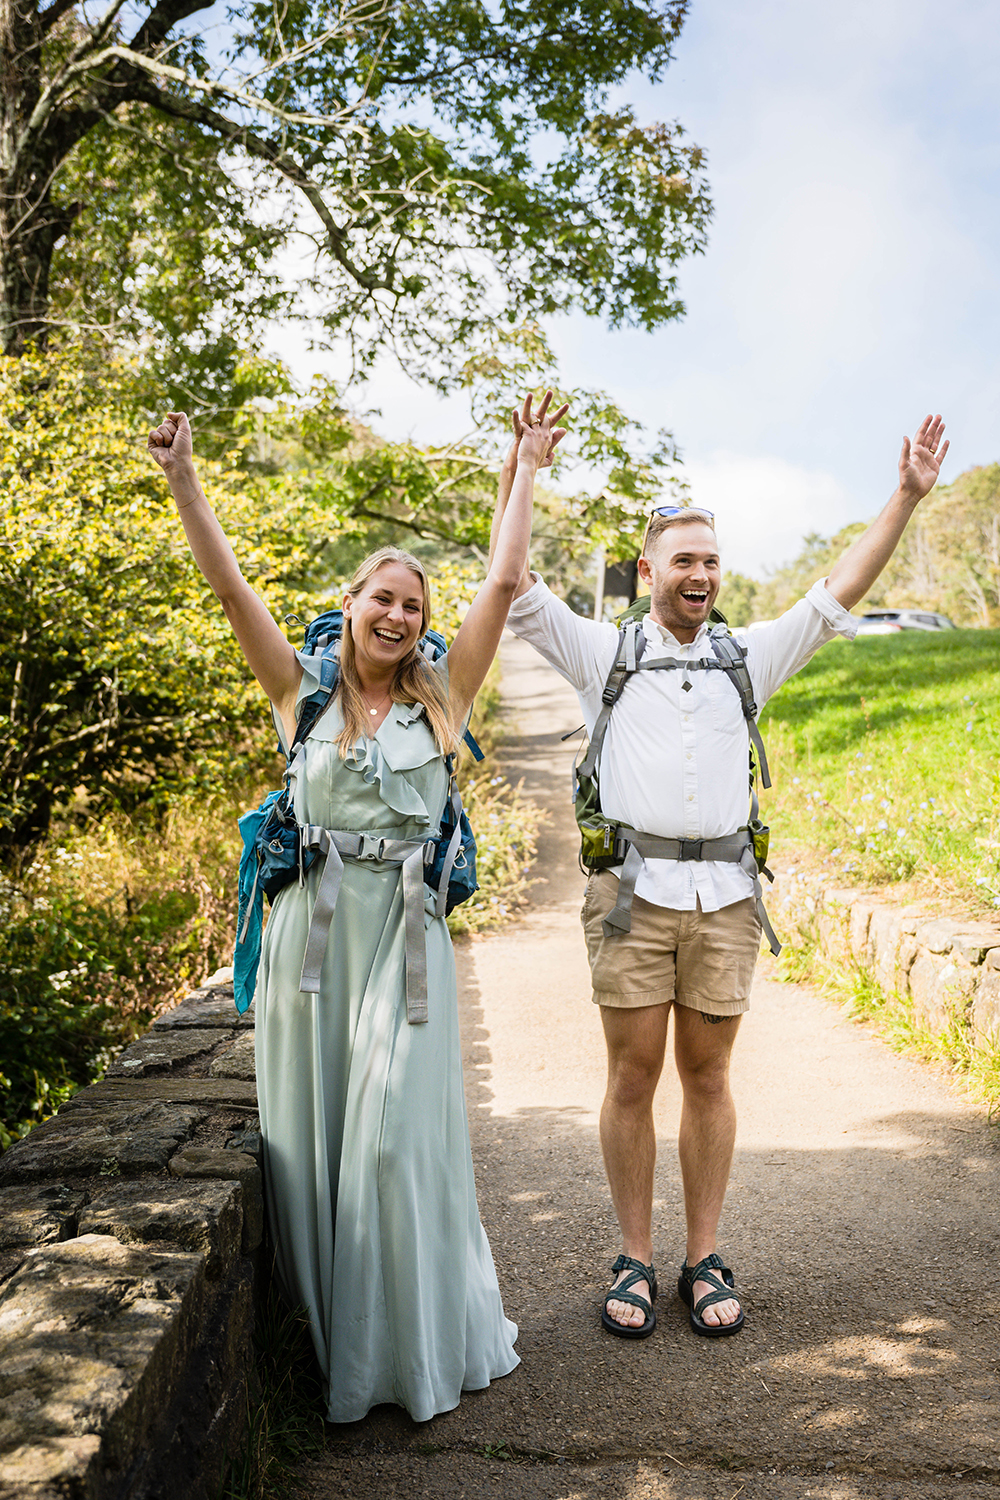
x,y
764,506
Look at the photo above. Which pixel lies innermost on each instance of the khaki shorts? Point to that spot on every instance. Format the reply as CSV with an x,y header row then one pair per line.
x,y
702,959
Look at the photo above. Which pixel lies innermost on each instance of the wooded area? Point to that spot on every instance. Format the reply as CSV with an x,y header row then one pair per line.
x,y
438,177
948,561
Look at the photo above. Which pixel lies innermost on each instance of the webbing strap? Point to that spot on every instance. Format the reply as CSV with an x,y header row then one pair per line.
x,y
733,659
613,689
729,657
409,853
630,655
451,853
735,848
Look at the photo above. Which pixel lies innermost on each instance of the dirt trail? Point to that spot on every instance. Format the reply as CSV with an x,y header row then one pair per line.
x,y
861,1224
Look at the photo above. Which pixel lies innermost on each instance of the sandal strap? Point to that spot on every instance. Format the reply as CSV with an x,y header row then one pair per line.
x,y
723,1287
644,1273
721,1293
711,1262
623,1293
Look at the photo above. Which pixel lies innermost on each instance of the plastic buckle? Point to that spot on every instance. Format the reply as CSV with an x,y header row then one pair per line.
x,y
371,847
691,848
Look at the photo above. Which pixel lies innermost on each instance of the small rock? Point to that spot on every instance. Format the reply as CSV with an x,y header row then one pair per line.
x,y
237,1061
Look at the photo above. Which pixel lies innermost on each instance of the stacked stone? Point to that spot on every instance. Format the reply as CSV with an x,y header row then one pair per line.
x,y
948,968
130,1238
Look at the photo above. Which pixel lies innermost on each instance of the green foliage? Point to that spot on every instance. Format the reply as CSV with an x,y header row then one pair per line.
x,y
455,164
948,560
885,754
163,241
120,680
787,584
973,1059
737,598
108,928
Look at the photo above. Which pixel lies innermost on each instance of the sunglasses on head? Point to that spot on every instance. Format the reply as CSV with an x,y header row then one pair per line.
x,y
682,510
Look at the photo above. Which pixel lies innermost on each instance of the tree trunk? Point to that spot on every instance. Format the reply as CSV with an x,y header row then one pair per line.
x,y
30,222
30,226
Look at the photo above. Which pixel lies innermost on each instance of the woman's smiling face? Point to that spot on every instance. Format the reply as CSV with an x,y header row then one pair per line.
x,y
387,616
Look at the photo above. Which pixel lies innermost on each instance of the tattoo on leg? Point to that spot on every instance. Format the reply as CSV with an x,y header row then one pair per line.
x,y
713,1020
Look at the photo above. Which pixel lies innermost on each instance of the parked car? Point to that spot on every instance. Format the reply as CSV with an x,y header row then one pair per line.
x,y
888,621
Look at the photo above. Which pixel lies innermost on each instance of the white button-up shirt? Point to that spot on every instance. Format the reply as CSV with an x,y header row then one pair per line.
x,y
675,757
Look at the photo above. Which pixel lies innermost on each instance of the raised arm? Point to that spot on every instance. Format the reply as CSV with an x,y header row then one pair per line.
x,y
474,647
506,480
852,576
270,655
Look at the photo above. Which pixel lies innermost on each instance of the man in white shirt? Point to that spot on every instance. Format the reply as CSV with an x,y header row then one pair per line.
x,y
674,765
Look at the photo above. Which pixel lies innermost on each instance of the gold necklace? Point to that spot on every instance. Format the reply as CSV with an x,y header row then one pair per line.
x,y
374,711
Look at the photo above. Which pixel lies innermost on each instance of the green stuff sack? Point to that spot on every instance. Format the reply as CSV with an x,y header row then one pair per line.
x,y
760,836
597,834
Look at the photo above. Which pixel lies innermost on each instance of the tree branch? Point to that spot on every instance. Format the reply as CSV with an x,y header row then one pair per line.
x,y
51,14
82,63
163,16
265,150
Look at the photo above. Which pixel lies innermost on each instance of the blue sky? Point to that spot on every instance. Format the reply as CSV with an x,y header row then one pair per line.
x,y
851,279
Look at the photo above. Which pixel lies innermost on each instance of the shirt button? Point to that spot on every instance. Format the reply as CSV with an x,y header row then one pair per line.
x,y
690,796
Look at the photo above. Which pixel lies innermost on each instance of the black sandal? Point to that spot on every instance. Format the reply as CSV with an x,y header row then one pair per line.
x,y
623,1293
722,1290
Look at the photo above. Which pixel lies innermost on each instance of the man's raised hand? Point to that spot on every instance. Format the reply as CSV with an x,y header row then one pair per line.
x,y
170,443
920,461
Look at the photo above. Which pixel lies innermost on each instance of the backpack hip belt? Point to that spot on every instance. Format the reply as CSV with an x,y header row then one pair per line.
x,y
733,848
409,854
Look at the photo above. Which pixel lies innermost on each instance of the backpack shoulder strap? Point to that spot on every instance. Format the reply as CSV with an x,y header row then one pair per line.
x,y
732,657
319,701
631,644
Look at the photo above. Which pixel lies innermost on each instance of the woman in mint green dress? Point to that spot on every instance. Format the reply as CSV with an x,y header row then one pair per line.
x,y
368,1171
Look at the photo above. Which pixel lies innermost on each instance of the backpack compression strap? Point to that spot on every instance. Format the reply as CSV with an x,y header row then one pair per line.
x,y
729,657
336,846
732,657
625,663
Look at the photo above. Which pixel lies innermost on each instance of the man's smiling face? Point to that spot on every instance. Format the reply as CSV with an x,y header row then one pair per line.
x,y
681,566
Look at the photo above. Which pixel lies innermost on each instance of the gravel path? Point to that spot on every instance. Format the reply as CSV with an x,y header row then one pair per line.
x,y
861,1224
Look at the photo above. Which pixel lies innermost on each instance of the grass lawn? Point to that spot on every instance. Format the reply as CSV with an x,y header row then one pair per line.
x,y
885,758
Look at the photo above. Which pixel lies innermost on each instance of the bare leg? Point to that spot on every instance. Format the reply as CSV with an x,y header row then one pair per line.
x,y
707,1136
636,1040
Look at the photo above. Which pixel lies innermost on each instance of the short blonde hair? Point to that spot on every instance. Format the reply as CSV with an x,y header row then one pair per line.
x,y
657,525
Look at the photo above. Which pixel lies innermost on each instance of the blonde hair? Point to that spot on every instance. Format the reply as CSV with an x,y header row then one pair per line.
x,y
657,525
414,682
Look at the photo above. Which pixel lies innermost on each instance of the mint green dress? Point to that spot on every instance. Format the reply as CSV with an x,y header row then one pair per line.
x,y
368,1171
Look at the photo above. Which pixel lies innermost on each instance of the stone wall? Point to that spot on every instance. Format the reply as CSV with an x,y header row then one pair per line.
x,y
130,1233
948,968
